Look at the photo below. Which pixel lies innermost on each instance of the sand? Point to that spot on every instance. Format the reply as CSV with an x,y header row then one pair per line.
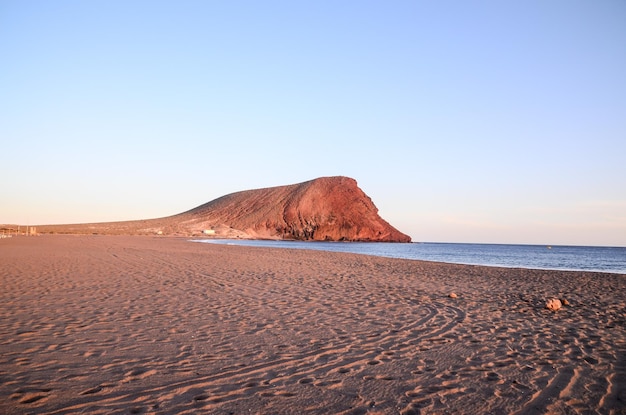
x,y
115,324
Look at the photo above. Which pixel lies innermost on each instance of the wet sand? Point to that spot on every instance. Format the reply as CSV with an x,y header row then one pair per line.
x,y
116,324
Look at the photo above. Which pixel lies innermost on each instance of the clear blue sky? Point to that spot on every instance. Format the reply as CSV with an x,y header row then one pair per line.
x,y
464,121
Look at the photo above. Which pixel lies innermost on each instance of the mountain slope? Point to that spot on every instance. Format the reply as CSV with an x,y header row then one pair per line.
x,y
327,208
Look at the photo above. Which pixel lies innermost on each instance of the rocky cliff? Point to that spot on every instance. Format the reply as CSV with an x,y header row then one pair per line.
x,y
324,209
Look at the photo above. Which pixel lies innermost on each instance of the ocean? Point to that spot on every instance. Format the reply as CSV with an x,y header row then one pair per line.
x,y
571,258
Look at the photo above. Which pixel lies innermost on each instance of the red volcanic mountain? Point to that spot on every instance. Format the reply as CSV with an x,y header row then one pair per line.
x,y
324,209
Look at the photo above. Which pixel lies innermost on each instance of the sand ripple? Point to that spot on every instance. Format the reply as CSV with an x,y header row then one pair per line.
x,y
146,325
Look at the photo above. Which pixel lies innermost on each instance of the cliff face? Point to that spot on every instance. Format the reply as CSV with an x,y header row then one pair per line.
x,y
324,209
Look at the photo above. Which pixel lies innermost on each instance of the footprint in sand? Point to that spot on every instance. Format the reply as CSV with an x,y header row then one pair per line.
x,y
201,397
32,398
29,396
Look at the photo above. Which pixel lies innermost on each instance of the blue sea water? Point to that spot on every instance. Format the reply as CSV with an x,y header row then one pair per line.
x,y
573,258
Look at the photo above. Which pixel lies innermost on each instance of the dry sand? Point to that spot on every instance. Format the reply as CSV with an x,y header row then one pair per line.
x,y
106,324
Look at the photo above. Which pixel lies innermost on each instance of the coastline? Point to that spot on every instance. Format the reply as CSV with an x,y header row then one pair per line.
x,y
538,257
142,324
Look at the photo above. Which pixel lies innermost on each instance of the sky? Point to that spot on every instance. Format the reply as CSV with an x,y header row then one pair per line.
x,y
464,121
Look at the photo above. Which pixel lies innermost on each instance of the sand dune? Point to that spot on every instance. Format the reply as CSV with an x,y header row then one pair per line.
x,y
115,324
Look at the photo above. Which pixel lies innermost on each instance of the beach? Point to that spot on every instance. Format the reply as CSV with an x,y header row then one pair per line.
x,y
146,324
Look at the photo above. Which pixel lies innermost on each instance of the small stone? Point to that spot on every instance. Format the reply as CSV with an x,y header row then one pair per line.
x,y
453,295
564,301
553,304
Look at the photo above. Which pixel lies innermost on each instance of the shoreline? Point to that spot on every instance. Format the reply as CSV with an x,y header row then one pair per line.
x,y
143,324
255,243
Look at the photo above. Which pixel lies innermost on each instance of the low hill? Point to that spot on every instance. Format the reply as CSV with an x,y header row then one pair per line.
x,y
324,209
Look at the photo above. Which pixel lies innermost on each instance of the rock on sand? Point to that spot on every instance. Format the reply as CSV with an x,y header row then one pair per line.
x,y
553,304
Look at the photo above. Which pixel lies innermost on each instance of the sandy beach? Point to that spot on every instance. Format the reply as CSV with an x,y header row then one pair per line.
x,y
130,325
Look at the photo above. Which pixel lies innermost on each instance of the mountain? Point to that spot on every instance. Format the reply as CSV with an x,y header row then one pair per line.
x,y
323,209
